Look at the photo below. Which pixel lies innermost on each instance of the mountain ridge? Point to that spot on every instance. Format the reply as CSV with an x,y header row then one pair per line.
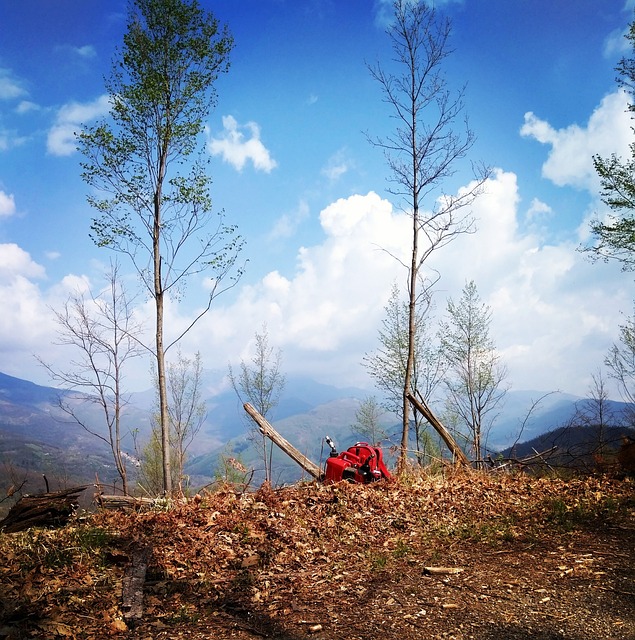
x,y
30,418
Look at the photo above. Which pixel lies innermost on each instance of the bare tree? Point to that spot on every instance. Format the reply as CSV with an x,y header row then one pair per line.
x,y
187,413
146,166
621,360
186,408
103,331
475,384
261,385
422,152
596,414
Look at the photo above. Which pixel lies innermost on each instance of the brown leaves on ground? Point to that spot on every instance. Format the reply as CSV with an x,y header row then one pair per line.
x,y
538,558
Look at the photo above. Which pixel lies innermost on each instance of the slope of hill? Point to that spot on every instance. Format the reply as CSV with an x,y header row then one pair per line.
x,y
37,437
585,448
469,555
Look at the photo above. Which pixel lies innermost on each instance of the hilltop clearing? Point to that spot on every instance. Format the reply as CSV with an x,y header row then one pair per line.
x,y
466,556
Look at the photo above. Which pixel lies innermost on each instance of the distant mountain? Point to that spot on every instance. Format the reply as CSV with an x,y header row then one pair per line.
x,y
574,447
527,414
21,392
36,435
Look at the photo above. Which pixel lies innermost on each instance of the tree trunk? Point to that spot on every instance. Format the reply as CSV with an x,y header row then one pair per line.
x,y
267,430
163,401
426,412
159,298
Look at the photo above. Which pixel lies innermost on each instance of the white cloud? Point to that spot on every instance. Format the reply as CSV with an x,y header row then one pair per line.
x,y
572,148
15,262
337,165
26,106
25,319
537,208
286,225
9,139
325,311
87,51
7,204
555,314
237,149
616,44
10,87
61,137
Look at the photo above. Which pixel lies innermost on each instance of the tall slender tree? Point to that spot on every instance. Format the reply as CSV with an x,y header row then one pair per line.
x,y
187,413
146,165
186,407
620,362
476,380
422,152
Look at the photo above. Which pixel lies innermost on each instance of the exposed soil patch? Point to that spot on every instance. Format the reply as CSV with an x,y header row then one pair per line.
x,y
470,556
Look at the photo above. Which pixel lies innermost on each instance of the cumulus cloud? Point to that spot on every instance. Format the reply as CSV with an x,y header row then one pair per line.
x,y
7,204
555,314
237,149
69,119
27,324
569,162
325,310
26,106
15,262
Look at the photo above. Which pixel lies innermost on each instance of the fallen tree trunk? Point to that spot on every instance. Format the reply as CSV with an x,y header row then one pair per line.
x,y
426,412
132,585
124,502
44,510
267,430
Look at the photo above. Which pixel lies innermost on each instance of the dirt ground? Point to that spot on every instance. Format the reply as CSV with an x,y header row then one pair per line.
x,y
469,556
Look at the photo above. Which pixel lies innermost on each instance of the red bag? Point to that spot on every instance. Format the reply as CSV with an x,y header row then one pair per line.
x,y
360,463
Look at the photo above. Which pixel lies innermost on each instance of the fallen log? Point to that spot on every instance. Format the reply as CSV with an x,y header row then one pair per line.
x,y
124,502
43,510
267,430
421,406
132,585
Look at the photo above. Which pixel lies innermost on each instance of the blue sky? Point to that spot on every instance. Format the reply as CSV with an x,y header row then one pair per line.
x,y
293,169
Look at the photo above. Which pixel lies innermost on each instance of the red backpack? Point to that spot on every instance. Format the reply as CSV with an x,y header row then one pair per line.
x,y
360,463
